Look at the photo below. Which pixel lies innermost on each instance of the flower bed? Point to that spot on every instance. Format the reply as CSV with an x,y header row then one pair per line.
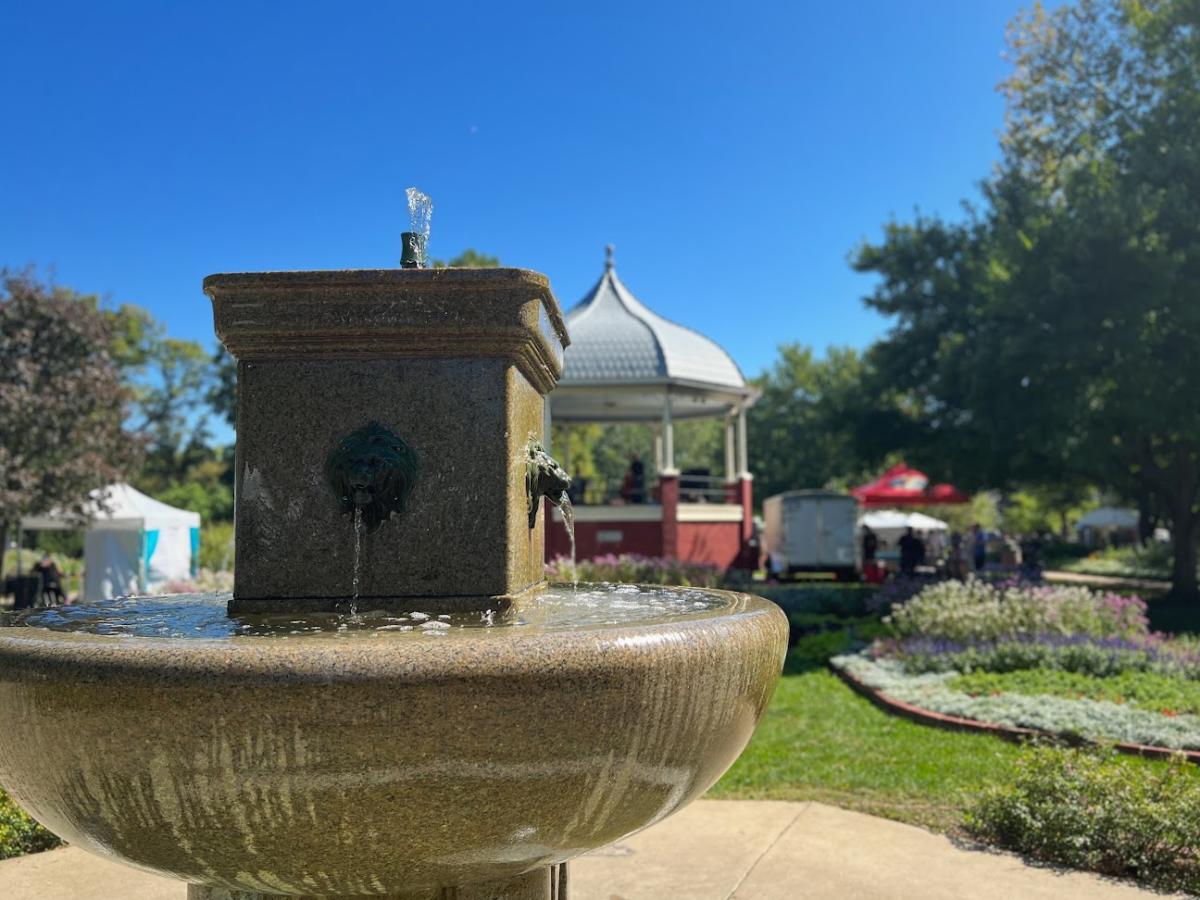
x,y
630,568
1062,660
1093,720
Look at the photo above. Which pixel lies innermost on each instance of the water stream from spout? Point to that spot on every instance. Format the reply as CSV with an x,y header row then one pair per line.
x,y
568,514
358,527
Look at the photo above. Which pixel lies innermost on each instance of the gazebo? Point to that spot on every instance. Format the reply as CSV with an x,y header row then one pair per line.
x,y
627,364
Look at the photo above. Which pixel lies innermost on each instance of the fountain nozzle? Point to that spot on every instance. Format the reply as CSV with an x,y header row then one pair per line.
x,y
413,254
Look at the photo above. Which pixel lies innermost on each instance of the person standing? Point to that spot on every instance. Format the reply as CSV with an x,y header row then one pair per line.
x,y
870,545
979,543
958,558
911,549
52,592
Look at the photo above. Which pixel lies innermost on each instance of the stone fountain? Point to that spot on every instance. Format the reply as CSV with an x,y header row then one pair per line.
x,y
392,703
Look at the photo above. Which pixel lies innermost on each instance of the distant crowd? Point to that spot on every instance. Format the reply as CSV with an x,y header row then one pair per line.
x,y
929,553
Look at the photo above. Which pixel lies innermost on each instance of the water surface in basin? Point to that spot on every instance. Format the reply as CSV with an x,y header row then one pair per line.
x,y
203,616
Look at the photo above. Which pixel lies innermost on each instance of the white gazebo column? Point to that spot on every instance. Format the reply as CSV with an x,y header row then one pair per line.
x,y
745,483
731,493
658,447
668,440
547,421
668,486
743,457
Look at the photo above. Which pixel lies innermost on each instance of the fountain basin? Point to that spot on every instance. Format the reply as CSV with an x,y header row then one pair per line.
x,y
367,764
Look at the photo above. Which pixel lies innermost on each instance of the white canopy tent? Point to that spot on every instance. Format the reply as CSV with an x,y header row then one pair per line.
x,y
1107,525
132,543
1108,517
885,520
890,524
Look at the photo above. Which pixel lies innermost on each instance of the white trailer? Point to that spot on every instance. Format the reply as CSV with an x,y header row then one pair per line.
x,y
812,531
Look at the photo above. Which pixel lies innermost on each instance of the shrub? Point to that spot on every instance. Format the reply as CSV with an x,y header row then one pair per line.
x,y
897,591
813,651
1150,561
1098,811
974,611
19,833
820,598
216,546
633,569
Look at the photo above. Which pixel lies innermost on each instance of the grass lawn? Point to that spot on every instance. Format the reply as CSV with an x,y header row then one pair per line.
x,y
821,741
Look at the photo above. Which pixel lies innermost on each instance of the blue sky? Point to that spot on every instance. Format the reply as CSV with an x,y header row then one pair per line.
x,y
733,153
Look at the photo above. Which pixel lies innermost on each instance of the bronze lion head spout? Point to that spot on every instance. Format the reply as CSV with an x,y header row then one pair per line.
x,y
372,470
543,478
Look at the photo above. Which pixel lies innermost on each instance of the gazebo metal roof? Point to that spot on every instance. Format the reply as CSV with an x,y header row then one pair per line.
x,y
624,360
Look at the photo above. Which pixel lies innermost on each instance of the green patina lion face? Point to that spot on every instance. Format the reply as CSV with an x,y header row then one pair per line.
x,y
543,478
374,471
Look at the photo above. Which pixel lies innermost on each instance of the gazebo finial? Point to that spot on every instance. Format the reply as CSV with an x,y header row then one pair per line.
x,y
608,257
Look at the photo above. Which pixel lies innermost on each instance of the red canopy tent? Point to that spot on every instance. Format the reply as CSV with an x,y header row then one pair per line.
x,y
904,486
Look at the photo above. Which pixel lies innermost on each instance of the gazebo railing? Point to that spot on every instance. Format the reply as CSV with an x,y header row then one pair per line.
x,y
693,488
702,488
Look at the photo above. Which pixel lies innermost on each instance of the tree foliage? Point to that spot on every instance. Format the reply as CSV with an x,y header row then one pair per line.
x,y
819,423
469,259
62,401
1050,338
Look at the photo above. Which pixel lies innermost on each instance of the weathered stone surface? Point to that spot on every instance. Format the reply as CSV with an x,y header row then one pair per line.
x,y
454,362
540,884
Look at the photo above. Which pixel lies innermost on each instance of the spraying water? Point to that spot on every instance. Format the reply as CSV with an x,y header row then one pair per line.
x,y
568,514
420,214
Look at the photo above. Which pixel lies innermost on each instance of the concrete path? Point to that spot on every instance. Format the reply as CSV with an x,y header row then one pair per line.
x,y
713,850
1112,581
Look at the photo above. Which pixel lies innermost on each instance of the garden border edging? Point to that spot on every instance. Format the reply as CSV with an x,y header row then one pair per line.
x,y
1008,732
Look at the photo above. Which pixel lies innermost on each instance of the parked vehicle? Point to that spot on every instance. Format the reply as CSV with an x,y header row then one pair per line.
x,y
812,531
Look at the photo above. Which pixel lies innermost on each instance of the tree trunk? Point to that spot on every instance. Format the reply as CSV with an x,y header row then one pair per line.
x,y
1183,539
3,548
1146,520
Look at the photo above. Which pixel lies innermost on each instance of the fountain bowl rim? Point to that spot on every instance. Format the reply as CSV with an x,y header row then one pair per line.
x,y
34,653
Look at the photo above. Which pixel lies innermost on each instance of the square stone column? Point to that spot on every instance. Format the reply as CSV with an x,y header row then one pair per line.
x,y
451,367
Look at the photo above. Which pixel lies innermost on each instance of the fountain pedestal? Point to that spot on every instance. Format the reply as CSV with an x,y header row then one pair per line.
x,y
548,883
454,363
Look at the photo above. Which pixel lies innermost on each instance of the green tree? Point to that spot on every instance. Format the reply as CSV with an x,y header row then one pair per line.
x,y
222,391
62,402
819,423
171,403
469,259
1049,338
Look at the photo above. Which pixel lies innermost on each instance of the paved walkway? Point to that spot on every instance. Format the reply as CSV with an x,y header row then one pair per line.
x,y
1113,581
713,850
